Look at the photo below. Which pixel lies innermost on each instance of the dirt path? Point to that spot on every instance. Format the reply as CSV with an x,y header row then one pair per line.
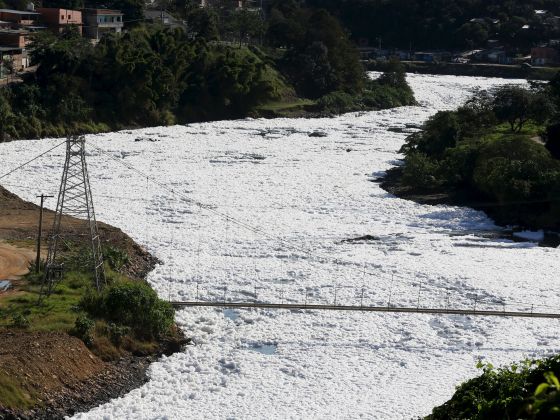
x,y
14,262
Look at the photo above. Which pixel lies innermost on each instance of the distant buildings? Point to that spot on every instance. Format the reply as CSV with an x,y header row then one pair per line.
x,y
17,26
15,29
545,56
99,22
19,18
59,19
163,18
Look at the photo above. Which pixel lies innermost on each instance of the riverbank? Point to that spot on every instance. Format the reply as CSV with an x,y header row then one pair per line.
x,y
313,191
471,69
46,371
392,182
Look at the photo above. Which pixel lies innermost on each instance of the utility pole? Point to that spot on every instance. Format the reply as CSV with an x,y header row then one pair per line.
x,y
38,260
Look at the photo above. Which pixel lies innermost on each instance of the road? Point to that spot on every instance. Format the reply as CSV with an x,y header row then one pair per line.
x,y
14,262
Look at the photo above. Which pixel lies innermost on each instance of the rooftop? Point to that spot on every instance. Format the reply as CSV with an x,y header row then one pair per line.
x,y
18,12
103,12
13,31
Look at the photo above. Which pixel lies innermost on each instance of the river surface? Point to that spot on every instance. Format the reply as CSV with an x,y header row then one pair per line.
x,y
278,207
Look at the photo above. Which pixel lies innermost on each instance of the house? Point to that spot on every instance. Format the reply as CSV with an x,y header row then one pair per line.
x,y
14,38
493,55
16,27
98,22
13,57
18,18
234,4
163,18
432,57
57,19
427,57
545,56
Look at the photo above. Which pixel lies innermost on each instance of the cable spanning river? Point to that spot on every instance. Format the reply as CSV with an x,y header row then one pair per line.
x,y
310,185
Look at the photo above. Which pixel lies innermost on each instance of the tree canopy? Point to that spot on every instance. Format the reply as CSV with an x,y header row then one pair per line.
x,y
433,24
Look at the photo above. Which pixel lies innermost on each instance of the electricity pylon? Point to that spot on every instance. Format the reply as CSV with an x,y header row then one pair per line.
x,y
74,199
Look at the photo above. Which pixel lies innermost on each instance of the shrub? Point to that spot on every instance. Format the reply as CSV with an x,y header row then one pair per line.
x,y
525,390
132,304
553,140
117,333
515,168
458,165
420,171
115,257
20,321
336,102
83,329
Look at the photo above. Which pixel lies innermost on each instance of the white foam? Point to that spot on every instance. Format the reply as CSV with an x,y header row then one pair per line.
x,y
313,193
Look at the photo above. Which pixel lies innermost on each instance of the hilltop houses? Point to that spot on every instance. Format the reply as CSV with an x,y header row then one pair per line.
x,y
58,19
546,55
99,22
17,27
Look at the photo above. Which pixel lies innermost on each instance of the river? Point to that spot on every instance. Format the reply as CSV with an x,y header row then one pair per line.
x,y
279,205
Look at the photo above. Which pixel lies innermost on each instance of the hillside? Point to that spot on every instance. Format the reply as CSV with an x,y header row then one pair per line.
x,y
46,371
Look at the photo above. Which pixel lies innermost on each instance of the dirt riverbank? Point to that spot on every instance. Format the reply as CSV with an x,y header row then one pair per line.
x,y
49,375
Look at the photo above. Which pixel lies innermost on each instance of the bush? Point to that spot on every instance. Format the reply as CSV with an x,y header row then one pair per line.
x,y
458,165
514,169
83,329
528,390
132,304
20,321
115,257
336,103
117,333
420,171
553,140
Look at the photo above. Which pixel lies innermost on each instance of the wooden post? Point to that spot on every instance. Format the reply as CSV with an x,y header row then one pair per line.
x,y
38,259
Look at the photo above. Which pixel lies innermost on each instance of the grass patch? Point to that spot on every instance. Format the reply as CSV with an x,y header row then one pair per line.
x,y
503,131
285,107
57,313
12,394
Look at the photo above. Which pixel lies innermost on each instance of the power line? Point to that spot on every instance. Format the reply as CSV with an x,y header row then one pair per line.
x,y
31,160
244,225
210,208
227,217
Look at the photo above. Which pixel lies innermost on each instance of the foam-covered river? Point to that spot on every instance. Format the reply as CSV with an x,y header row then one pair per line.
x,y
309,193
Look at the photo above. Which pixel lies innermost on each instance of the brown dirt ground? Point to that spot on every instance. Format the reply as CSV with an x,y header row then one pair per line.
x,y
63,375
56,368
19,221
14,261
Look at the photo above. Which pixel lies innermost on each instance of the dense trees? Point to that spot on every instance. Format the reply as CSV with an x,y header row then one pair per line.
x,y
490,151
443,23
151,75
526,390
148,76
320,57
517,105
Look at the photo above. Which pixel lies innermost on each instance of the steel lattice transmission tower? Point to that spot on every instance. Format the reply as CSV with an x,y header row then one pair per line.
x,y
74,199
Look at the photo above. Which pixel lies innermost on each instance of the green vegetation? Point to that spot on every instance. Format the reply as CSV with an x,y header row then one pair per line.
x,y
490,153
12,394
126,315
152,75
528,390
148,76
134,305
437,24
